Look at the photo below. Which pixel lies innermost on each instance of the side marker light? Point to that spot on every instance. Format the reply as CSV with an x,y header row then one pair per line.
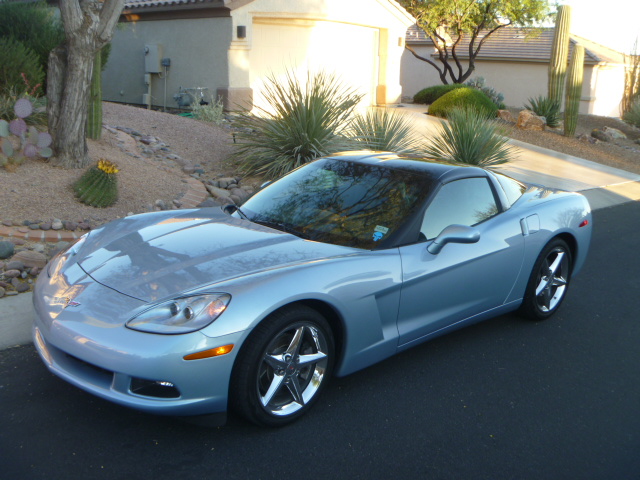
x,y
212,352
584,223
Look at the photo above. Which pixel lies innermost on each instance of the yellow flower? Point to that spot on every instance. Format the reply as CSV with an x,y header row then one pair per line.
x,y
107,167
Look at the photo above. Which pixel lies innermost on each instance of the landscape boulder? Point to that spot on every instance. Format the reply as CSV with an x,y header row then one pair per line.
x,y
527,120
614,133
506,116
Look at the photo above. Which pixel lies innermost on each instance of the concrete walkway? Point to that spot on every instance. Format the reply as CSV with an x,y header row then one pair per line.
x,y
603,186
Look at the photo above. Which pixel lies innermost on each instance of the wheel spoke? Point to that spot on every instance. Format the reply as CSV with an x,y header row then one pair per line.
x,y
294,346
274,361
294,388
556,264
310,358
559,282
276,383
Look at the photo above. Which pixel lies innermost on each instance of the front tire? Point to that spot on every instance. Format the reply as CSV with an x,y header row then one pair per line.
x,y
549,281
283,367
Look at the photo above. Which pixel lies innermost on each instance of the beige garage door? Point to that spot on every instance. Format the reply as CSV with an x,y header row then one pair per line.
x,y
350,51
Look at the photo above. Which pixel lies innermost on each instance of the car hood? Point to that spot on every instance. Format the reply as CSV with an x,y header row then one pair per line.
x,y
154,256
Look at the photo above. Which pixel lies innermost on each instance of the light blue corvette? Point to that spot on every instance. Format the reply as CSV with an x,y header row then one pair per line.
x,y
336,266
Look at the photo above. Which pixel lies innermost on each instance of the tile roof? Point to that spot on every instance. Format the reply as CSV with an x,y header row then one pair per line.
x,y
134,4
521,44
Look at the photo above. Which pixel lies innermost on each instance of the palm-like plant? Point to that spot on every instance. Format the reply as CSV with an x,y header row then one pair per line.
x,y
301,123
383,130
470,138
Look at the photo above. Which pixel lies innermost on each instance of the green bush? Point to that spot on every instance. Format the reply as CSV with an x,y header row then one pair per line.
x,y
35,25
495,96
303,121
18,60
469,137
632,116
383,130
463,97
547,108
431,94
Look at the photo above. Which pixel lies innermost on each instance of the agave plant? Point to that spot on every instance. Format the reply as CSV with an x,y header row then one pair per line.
x,y
471,138
300,122
545,107
383,130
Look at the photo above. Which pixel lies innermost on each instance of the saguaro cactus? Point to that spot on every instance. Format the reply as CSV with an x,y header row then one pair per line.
x,y
94,114
559,54
574,90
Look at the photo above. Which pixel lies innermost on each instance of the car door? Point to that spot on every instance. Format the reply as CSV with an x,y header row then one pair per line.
x,y
462,280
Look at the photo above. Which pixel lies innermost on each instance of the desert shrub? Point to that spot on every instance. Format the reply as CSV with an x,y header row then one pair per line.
x,y
431,94
545,107
632,116
496,97
463,97
471,138
383,130
18,60
208,112
303,121
35,25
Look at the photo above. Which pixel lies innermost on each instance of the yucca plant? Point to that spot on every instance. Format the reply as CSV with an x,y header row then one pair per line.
x,y
383,130
470,137
303,121
545,107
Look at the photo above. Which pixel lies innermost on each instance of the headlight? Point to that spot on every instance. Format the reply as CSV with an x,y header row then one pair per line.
x,y
181,315
61,257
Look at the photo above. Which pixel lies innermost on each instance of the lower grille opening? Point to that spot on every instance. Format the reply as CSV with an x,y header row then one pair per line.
x,y
154,388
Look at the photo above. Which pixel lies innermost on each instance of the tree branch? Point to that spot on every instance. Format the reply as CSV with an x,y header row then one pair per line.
x,y
109,16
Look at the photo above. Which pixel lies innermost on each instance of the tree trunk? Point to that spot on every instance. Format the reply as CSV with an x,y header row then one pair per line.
x,y
69,140
88,26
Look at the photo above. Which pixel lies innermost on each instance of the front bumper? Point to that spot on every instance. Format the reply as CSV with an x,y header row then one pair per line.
x,y
88,345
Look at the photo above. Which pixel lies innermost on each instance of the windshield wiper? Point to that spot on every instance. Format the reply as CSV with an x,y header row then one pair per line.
x,y
282,227
242,214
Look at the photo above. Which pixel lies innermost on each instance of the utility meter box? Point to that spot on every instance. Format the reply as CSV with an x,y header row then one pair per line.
x,y
152,58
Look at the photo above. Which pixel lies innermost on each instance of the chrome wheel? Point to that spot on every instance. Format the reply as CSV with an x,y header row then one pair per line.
x,y
553,279
283,366
292,369
548,282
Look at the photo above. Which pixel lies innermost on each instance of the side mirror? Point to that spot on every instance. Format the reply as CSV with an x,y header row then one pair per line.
x,y
453,234
229,208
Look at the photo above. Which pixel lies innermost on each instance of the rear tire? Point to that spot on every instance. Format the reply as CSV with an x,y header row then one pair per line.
x,y
283,367
548,282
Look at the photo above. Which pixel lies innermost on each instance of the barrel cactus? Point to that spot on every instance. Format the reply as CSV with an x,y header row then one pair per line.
x,y
20,141
98,186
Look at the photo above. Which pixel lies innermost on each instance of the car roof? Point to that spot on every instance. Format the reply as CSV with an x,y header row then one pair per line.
x,y
435,169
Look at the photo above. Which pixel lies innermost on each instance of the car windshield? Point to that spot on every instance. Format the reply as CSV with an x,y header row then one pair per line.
x,y
340,202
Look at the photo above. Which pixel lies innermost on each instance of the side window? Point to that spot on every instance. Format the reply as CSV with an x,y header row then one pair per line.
x,y
464,202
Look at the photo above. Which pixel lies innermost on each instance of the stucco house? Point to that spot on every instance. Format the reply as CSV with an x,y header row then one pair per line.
x,y
230,46
515,62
